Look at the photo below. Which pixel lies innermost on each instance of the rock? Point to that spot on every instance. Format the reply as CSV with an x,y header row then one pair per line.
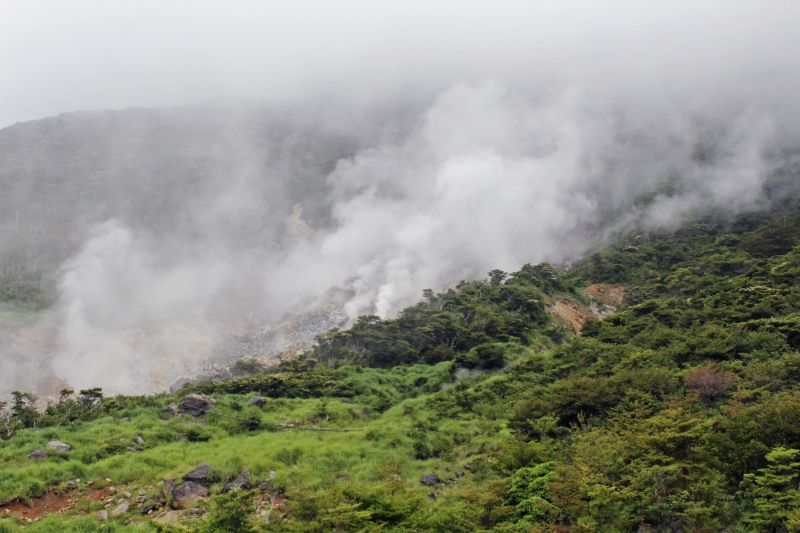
x,y
430,479
258,401
58,446
200,474
120,509
103,515
127,494
138,440
37,455
196,404
148,505
242,481
172,409
72,484
170,517
108,480
185,494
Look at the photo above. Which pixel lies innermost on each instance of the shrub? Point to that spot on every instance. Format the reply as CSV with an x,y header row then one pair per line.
x,y
710,383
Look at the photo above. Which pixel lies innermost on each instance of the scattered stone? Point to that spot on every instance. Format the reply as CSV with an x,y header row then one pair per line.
x,y
141,492
127,494
242,481
196,404
258,401
148,506
120,509
103,515
37,455
89,483
108,480
138,440
430,479
170,517
172,409
58,446
200,474
185,494
72,483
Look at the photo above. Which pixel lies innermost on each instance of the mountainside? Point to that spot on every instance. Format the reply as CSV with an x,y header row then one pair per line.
x,y
652,386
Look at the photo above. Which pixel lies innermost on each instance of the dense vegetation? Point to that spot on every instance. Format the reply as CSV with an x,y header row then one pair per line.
x,y
477,410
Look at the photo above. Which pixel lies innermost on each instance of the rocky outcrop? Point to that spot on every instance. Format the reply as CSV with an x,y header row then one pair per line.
x,y
59,446
199,474
196,404
187,493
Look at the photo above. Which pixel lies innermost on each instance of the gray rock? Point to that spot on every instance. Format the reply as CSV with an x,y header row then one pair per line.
x,y
58,446
148,505
430,479
258,401
196,404
185,494
120,509
200,474
172,409
37,455
138,440
102,515
242,481
169,517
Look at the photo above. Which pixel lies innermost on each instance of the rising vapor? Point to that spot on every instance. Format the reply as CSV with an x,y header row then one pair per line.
x,y
175,236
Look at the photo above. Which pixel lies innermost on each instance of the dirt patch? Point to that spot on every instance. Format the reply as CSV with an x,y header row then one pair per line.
x,y
51,502
607,294
569,313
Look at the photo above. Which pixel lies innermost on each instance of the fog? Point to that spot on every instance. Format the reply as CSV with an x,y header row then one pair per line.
x,y
306,163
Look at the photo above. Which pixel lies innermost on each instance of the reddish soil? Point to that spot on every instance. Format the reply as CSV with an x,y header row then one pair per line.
x,y
605,293
51,502
569,314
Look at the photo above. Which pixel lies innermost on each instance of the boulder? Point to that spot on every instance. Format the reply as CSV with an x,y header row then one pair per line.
x,y
242,481
58,446
120,509
258,401
185,494
172,409
430,479
200,474
37,455
102,515
196,404
138,440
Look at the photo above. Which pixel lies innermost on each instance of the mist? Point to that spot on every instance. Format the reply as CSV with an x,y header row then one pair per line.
x,y
288,169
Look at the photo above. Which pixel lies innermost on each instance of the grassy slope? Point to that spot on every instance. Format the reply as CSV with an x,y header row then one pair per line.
x,y
606,432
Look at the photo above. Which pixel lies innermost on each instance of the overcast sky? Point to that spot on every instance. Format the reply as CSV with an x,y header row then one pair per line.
x,y
58,56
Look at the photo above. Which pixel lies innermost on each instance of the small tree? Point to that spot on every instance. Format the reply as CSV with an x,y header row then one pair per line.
x,y
771,495
23,409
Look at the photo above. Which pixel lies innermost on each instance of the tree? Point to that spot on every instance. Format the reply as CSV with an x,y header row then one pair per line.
x,y
771,495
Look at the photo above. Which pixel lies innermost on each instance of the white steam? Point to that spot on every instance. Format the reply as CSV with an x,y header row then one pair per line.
x,y
532,144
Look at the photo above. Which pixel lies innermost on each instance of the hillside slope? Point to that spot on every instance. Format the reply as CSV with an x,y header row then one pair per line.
x,y
474,410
